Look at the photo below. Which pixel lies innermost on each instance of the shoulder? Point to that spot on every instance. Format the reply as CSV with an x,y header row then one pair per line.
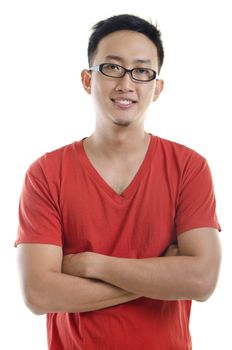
x,y
178,153
53,161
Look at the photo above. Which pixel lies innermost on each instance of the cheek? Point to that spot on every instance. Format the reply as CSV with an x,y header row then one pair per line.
x,y
100,96
100,89
148,96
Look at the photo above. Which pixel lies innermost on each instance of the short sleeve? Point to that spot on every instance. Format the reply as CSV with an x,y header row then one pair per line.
x,y
196,206
39,216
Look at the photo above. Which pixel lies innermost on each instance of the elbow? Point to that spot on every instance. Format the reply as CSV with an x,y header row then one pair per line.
x,y
34,308
205,287
33,302
203,293
207,279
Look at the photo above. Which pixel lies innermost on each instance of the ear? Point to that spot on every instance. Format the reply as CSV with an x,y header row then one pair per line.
x,y
158,89
86,80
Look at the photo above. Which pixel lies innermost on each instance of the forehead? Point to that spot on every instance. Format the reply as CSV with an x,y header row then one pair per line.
x,y
128,45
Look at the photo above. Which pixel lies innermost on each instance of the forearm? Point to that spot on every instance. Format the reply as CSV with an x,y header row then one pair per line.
x,y
164,278
58,292
189,273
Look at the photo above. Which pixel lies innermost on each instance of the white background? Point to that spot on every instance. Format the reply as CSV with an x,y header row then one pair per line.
x,y
43,106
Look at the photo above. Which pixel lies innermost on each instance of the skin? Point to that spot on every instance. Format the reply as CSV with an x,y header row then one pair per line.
x,y
90,281
119,139
191,273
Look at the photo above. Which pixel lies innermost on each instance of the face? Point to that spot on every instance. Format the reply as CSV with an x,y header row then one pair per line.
x,y
123,101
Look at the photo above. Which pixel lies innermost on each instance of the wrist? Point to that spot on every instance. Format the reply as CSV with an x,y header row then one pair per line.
x,y
103,267
95,266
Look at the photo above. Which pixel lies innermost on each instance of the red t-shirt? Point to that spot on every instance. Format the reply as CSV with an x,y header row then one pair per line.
x,y
66,202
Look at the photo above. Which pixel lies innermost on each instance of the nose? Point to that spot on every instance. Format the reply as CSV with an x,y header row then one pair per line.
x,y
125,83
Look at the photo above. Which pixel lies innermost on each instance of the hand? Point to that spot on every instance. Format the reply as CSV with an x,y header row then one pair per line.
x,y
74,264
81,264
172,250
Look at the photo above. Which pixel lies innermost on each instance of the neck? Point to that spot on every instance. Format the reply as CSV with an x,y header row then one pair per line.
x,y
120,141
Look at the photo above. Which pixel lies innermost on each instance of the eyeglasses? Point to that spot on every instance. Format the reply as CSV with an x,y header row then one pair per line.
x,y
115,71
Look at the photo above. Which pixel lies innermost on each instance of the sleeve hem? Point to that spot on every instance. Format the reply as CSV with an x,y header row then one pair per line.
x,y
18,242
195,226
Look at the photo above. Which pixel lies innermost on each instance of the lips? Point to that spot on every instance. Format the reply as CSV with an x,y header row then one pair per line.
x,y
123,102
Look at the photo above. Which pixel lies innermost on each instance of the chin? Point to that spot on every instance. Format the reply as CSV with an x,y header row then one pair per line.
x,y
122,124
124,121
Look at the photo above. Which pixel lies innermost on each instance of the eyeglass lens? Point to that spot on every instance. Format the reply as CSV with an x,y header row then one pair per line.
x,y
113,70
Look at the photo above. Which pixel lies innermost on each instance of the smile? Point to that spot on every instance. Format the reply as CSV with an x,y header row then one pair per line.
x,y
123,103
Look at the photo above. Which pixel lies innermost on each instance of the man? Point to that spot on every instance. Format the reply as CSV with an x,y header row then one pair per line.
x,y
97,216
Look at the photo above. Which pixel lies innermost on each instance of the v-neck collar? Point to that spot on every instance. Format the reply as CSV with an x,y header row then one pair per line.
x,y
131,188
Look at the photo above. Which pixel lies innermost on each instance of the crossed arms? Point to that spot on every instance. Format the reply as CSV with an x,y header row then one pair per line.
x,y
90,281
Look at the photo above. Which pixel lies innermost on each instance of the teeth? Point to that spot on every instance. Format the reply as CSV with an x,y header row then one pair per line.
x,y
124,102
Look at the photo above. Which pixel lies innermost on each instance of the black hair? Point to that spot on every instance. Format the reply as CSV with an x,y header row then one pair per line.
x,y
124,22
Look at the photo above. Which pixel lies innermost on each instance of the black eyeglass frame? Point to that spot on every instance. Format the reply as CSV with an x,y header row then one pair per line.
x,y
99,68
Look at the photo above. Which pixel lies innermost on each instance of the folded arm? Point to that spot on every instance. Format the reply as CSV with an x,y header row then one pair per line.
x,y
46,289
191,275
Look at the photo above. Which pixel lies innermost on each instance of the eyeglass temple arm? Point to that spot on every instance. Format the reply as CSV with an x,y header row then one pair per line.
x,y
95,68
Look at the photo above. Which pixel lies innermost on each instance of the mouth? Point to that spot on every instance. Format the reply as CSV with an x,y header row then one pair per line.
x,y
123,103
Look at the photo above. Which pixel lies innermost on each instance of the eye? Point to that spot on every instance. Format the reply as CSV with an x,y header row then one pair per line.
x,y
111,67
145,74
142,71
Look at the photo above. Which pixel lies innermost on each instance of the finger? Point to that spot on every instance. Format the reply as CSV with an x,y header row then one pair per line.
x,y
172,250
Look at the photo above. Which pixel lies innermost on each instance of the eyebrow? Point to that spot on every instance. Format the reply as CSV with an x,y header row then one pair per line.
x,y
118,58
